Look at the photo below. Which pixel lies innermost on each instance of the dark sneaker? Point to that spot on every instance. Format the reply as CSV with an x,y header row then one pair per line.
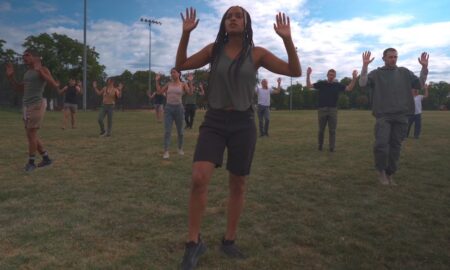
x,y
230,249
192,252
320,148
102,134
29,167
331,149
44,162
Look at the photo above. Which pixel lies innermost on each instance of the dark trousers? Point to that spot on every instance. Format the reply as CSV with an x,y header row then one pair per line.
x,y
327,115
106,110
415,119
189,114
389,133
263,119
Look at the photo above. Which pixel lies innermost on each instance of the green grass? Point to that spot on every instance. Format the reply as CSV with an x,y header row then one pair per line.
x,y
113,203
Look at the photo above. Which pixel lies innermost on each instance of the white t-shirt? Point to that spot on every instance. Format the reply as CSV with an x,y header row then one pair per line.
x,y
418,102
263,96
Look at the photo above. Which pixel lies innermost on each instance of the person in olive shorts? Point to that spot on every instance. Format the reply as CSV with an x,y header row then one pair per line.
x,y
329,91
34,81
70,92
230,120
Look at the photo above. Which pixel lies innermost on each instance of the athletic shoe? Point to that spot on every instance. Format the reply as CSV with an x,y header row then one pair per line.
x,y
102,134
29,167
320,148
230,249
192,252
180,152
166,155
44,162
331,149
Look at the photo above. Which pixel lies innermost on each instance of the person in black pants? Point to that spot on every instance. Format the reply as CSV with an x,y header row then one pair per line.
x,y
190,106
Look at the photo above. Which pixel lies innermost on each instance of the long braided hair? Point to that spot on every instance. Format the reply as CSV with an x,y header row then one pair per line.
x,y
222,39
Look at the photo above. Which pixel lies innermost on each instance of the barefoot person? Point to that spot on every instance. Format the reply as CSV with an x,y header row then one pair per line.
x,y
173,111
109,93
32,87
390,90
70,92
229,122
264,105
328,96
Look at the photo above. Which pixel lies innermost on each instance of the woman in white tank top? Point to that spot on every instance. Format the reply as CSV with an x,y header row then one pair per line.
x,y
174,111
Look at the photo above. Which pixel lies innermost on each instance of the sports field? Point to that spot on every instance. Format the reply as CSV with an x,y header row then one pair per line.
x,y
113,203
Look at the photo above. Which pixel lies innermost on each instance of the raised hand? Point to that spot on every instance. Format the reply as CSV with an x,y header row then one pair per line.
x,y
190,77
366,58
157,77
9,70
94,83
189,22
279,80
354,74
283,25
120,86
309,71
423,59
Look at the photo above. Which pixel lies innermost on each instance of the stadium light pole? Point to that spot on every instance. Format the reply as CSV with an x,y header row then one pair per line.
x,y
84,59
150,22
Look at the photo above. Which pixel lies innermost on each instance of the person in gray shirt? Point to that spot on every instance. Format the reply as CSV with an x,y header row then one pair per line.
x,y
392,103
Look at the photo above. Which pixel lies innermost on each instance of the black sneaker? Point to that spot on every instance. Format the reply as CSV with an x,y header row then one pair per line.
x,y
320,148
230,249
29,167
102,134
44,162
192,252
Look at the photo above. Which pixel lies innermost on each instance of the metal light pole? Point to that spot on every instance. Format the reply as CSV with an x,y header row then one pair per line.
x,y
150,22
84,59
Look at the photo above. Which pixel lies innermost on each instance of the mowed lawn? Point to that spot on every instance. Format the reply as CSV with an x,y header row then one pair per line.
x,y
113,203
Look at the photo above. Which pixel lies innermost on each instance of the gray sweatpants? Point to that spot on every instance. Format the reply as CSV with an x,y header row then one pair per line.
x,y
389,133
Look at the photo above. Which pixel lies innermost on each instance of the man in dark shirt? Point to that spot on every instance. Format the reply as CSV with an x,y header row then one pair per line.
x,y
327,109
70,92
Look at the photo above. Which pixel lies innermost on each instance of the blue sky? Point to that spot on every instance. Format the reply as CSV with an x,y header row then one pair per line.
x,y
328,33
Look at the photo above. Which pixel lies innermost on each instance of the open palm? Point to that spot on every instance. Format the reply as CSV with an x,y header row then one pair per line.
x,y
283,25
189,20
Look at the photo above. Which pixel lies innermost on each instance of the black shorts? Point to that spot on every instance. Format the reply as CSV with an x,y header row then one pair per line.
x,y
234,130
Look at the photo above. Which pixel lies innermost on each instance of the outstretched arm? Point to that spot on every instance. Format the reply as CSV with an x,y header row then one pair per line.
x,y
427,87
97,91
62,90
278,89
349,87
200,58
423,60
366,62
269,61
309,86
12,80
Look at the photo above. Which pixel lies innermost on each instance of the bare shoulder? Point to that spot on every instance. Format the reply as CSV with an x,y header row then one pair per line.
x,y
259,52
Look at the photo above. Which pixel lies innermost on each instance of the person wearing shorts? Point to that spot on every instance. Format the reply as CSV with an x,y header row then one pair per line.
x,y
70,92
229,122
34,81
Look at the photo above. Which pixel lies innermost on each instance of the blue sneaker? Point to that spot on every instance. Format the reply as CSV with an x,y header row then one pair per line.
x,y
192,253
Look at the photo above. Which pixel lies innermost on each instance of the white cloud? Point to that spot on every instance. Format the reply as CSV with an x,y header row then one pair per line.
x,y
43,7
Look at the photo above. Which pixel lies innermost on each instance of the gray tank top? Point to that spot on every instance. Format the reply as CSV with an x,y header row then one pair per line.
x,y
33,87
224,93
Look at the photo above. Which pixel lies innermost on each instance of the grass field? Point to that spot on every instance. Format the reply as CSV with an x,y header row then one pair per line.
x,y
113,203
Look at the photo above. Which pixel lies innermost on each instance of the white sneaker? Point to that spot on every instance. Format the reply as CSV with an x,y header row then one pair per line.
x,y
180,152
166,155
391,180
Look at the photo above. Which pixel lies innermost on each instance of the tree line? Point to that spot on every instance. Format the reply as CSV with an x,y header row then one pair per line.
x,y
63,56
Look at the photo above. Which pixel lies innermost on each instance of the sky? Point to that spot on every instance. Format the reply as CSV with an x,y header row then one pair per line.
x,y
327,33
